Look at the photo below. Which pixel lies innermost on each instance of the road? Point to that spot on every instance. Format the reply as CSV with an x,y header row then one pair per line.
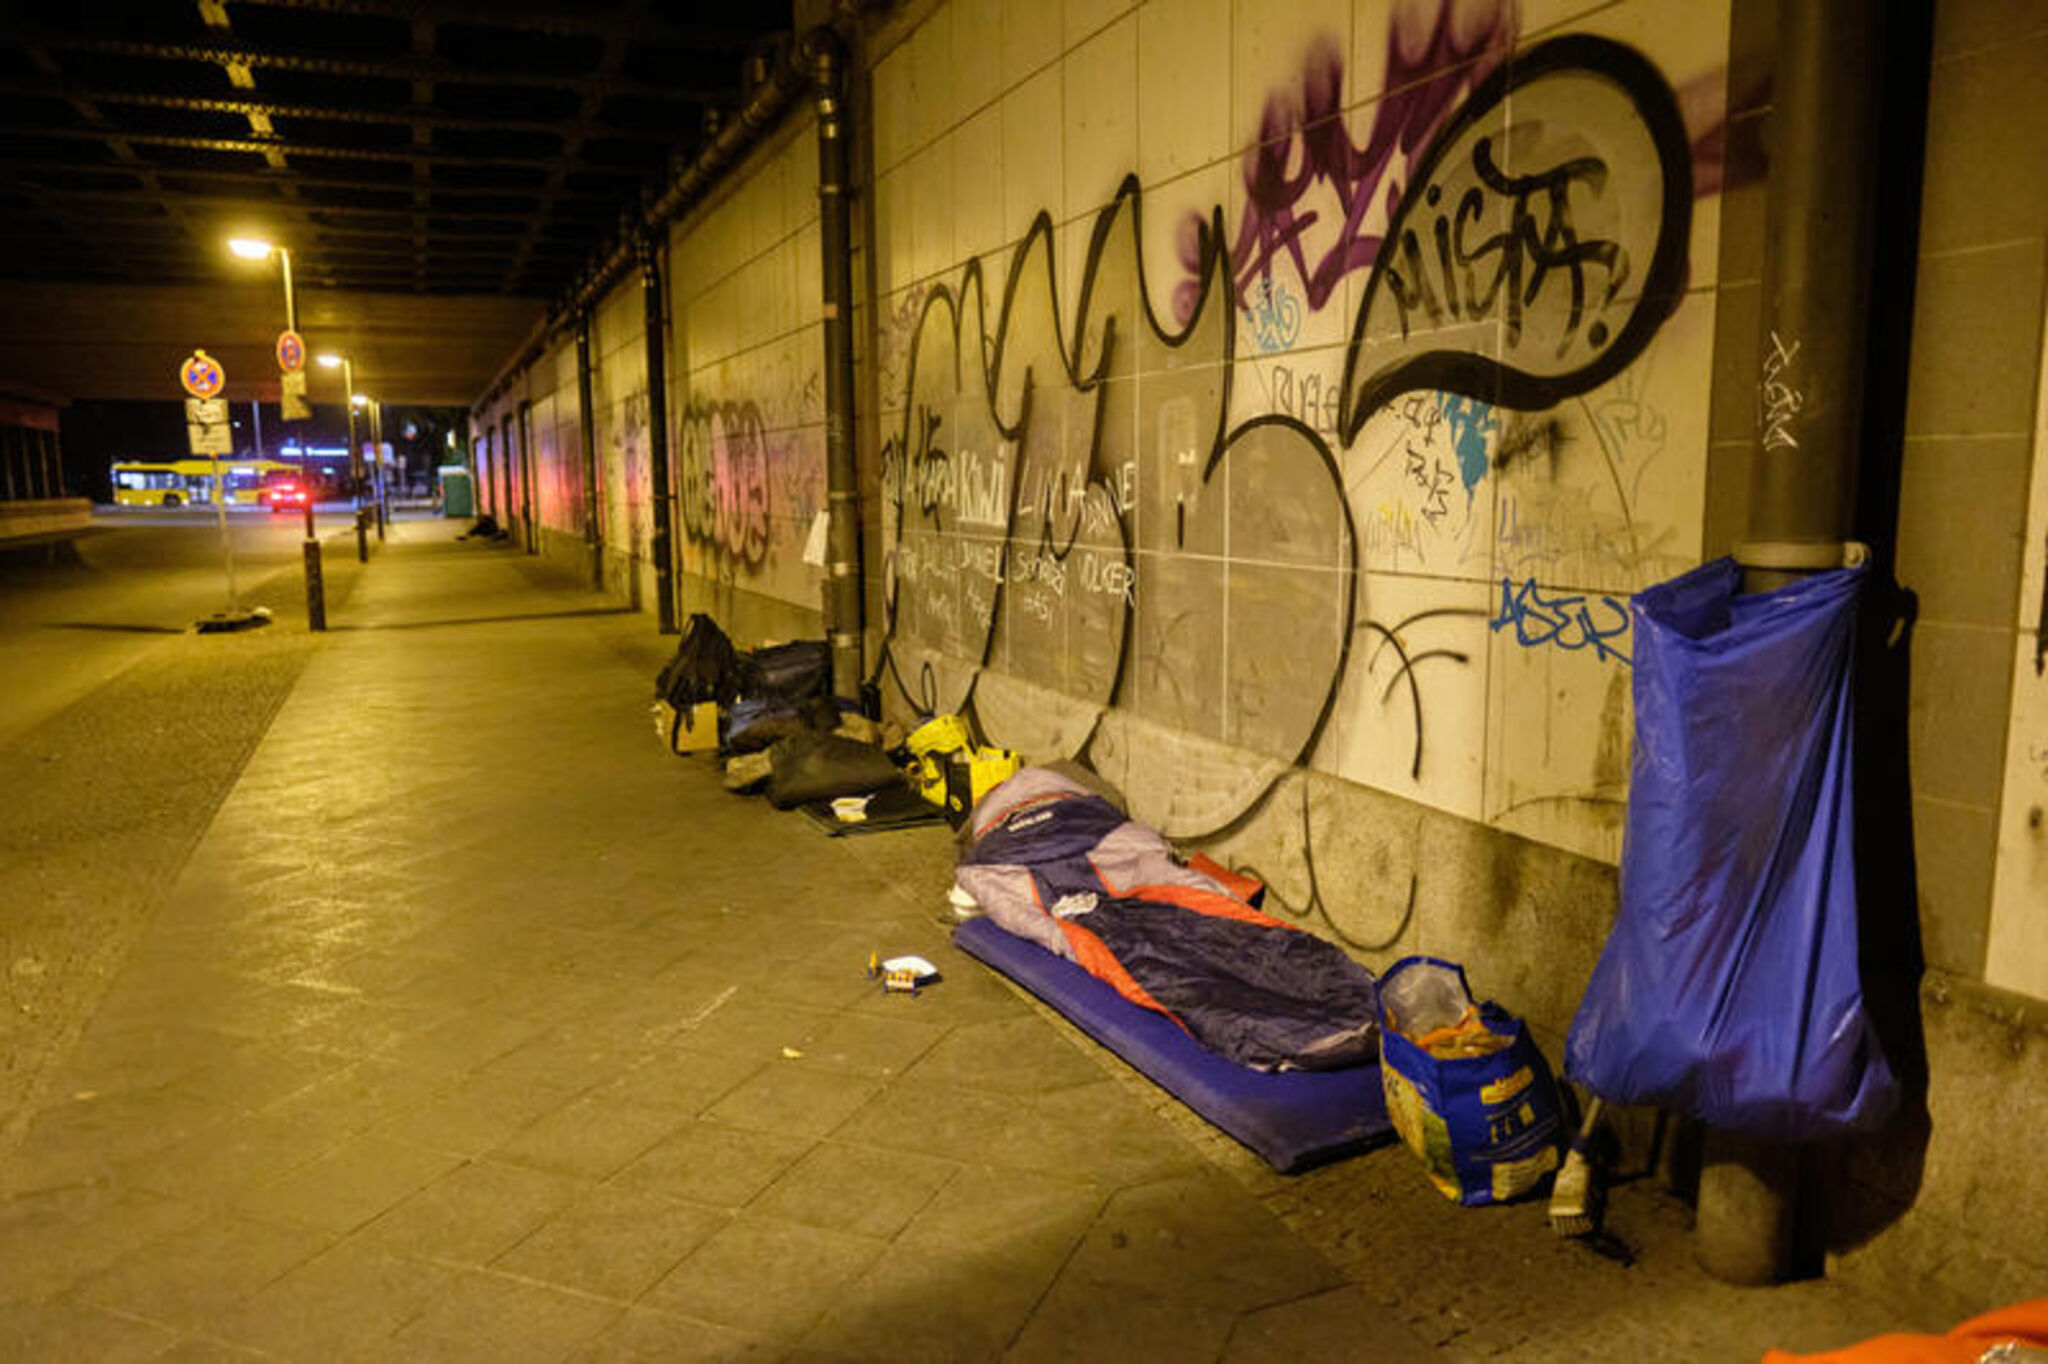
x,y
76,616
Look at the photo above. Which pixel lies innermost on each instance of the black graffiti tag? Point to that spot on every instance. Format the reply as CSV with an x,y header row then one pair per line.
x,y
1478,295
1533,245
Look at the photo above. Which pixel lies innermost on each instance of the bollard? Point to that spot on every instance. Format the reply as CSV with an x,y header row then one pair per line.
x,y
362,535
316,592
1748,1206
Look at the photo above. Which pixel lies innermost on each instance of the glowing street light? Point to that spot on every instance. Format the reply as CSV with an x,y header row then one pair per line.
x,y
336,360
255,248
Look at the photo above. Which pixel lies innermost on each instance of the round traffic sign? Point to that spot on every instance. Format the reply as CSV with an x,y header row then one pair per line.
x,y
291,352
201,375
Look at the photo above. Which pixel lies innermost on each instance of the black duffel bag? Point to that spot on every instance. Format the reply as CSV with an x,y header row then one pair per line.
x,y
793,672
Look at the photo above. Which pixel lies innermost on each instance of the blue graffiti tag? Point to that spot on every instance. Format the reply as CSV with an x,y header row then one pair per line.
x,y
1273,316
1565,622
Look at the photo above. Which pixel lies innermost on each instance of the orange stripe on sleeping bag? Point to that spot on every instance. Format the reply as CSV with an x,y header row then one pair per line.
x,y
1240,885
1211,902
1092,955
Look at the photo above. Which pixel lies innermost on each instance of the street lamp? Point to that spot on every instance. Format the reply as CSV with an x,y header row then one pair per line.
x,y
334,360
375,408
255,248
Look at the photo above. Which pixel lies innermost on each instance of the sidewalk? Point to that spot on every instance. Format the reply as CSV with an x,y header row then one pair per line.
x,y
477,1027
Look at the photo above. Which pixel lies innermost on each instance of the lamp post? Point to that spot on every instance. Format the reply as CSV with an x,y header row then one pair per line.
x,y
332,360
255,248
377,487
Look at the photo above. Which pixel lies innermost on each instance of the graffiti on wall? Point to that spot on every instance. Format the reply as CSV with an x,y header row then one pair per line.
x,y
1067,503
1310,190
724,474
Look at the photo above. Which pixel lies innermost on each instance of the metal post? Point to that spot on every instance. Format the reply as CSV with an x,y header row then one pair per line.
x,y
377,462
291,307
844,588
504,480
227,544
657,435
355,464
1818,241
316,587
593,520
528,516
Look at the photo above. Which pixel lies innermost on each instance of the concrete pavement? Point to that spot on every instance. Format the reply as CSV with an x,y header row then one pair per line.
x,y
475,1026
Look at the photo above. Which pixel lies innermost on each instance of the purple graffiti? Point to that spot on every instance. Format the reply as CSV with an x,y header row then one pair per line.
x,y
1304,146
725,476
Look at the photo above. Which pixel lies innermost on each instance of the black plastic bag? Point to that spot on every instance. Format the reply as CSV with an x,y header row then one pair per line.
x,y
809,767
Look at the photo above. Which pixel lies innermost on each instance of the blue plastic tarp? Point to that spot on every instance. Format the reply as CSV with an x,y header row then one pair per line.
x,y
1730,986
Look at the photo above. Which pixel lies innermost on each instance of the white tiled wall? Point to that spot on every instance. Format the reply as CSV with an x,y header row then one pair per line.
x,y
990,114
1311,601
746,395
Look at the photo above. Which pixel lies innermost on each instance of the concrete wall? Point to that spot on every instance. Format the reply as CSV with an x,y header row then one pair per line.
x,y
1972,520
1156,305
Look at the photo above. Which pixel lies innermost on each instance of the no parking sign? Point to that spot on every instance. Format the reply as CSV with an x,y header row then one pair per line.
x,y
201,374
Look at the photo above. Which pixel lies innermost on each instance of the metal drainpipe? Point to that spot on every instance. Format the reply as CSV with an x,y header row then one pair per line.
x,y
529,504
593,523
843,590
1818,240
657,433
1818,243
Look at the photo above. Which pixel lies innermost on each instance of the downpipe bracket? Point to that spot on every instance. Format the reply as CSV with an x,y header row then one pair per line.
x,y
1801,556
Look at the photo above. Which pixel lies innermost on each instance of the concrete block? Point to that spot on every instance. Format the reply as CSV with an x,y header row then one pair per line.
x,y
1961,684
1952,852
1962,27
1972,1238
1962,509
1976,333
1974,140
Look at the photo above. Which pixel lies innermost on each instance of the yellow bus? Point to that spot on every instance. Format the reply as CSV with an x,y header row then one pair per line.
x,y
189,482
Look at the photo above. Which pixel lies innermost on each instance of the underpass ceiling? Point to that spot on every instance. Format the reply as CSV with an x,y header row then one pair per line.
x,y
433,168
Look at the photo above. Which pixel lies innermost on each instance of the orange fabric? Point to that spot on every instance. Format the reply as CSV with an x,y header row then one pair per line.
x,y
1092,955
2023,1323
1245,888
1213,903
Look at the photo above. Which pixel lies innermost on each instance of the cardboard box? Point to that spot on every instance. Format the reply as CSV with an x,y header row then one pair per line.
x,y
697,732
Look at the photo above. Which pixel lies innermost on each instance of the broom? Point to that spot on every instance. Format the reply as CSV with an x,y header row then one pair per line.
x,y
1575,1194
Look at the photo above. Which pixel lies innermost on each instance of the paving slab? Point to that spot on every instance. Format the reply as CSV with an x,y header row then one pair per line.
x,y
469,1023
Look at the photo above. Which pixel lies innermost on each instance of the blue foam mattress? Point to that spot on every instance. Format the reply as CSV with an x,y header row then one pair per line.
x,y
1294,1119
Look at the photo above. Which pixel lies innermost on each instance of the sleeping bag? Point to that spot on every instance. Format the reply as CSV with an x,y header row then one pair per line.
x,y
1057,864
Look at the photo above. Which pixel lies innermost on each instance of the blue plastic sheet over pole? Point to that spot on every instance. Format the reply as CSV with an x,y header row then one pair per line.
x,y
1730,987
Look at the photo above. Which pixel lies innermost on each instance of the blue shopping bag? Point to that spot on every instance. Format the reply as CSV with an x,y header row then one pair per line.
x,y
1729,988
1467,1088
